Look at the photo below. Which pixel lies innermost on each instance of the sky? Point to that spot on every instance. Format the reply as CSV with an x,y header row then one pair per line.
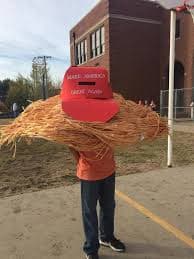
x,y
30,28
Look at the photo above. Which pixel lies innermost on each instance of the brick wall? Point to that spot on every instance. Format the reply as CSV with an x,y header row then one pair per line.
x,y
135,49
82,30
184,47
135,8
136,46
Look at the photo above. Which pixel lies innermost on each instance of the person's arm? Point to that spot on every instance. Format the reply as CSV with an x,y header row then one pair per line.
x,y
75,154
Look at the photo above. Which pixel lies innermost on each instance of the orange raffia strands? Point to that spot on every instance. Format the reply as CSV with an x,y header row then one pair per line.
x,y
46,120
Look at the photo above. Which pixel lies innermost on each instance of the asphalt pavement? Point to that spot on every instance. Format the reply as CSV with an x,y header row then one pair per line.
x,y
154,217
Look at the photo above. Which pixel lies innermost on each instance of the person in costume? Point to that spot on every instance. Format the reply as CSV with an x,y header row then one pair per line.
x,y
87,96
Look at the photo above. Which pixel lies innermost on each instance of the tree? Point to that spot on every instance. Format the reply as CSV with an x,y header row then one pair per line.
x,y
19,92
4,87
37,82
36,77
3,107
22,90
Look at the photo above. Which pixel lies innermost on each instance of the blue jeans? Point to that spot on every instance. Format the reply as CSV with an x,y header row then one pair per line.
x,y
104,192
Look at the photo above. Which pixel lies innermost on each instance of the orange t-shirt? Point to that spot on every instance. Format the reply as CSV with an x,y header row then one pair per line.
x,y
92,169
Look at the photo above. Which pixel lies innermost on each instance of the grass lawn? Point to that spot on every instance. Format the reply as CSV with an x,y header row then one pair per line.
x,y
44,165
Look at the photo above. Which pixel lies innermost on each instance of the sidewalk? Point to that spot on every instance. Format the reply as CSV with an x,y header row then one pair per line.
x,y
47,224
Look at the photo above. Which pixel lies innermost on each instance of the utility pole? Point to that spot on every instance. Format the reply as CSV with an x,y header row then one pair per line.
x,y
40,62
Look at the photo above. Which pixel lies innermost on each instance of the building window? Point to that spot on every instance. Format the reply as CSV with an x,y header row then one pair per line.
x,y
97,40
81,52
178,30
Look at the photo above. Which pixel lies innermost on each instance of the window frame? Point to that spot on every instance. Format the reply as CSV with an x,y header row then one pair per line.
x,y
81,52
97,42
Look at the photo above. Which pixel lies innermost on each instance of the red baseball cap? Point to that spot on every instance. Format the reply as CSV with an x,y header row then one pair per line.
x,y
87,96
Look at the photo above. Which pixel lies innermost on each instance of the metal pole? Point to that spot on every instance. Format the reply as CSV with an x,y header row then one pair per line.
x,y
161,104
171,86
175,104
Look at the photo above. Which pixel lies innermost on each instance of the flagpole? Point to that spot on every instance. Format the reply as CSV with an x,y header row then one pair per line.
x,y
171,86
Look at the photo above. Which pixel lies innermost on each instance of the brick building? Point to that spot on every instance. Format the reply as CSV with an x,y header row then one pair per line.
x,y
131,39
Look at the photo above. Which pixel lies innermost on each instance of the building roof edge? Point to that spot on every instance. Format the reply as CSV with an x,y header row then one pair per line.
x,y
86,14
